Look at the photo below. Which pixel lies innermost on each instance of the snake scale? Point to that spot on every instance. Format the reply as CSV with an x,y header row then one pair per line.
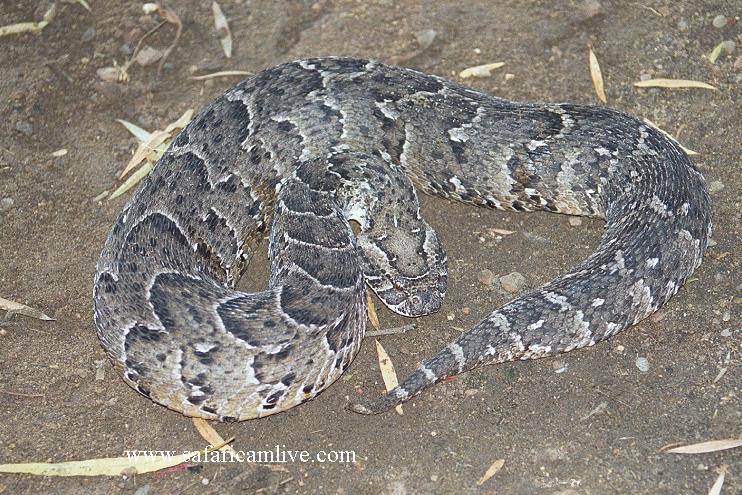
x,y
301,150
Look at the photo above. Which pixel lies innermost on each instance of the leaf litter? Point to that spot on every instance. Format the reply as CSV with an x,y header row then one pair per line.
x,y
388,374
491,471
30,27
107,466
480,70
13,307
222,29
151,147
706,447
597,76
673,84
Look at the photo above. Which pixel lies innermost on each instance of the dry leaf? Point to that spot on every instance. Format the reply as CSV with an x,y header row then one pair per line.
x,y
144,149
715,52
133,180
13,307
716,487
705,447
137,131
387,372
721,373
480,70
83,3
372,316
107,466
30,27
222,29
223,73
688,151
597,76
493,469
22,27
182,121
211,435
673,84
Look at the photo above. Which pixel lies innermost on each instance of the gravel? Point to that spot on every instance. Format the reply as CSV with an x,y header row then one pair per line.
x,y
719,21
425,38
716,186
513,282
24,127
643,364
486,277
88,35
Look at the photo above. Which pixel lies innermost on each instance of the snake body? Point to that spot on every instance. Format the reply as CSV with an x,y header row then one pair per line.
x,y
302,149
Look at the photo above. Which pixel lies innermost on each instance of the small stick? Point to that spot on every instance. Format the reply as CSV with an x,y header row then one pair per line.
x,y
390,331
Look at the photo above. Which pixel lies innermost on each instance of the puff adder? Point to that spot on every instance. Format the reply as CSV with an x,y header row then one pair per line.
x,y
303,148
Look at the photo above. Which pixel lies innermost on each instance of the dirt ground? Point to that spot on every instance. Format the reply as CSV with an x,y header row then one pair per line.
x,y
590,422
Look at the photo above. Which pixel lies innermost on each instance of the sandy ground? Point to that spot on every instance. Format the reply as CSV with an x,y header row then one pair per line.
x,y
589,422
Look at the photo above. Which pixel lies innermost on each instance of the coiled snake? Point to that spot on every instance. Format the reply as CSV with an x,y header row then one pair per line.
x,y
302,149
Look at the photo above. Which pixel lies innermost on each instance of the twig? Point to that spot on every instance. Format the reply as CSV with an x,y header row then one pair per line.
x,y
172,18
390,331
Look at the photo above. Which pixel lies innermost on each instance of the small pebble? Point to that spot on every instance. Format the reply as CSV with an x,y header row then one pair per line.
x,y
434,477
24,127
108,74
6,204
726,316
470,392
425,38
719,21
682,25
643,364
712,243
88,35
645,77
559,366
450,316
148,56
125,49
486,277
727,332
591,8
728,46
575,221
142,490
513,282
716,186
